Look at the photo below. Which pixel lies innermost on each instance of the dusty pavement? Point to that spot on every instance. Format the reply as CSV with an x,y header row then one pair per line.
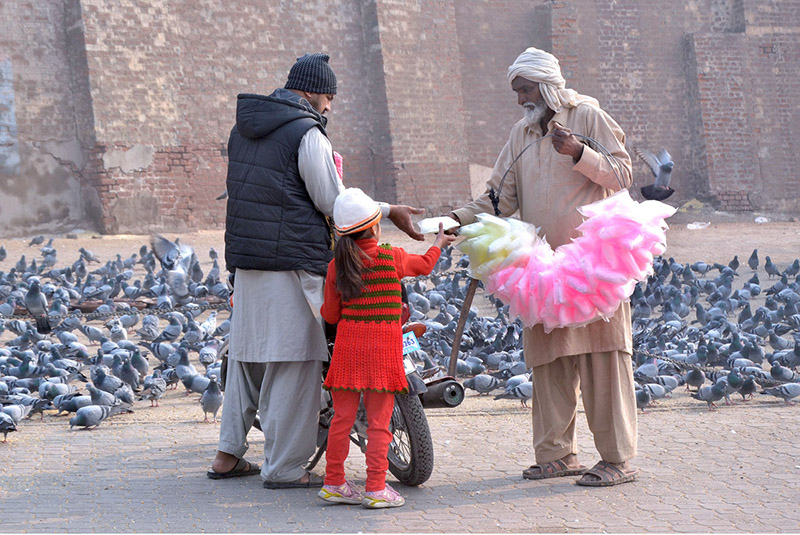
x,y
735,469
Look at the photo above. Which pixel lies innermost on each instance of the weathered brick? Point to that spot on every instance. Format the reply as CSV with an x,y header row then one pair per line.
x,y
422,91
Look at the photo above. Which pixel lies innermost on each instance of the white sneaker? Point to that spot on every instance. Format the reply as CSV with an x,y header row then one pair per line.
x,y
380,499
346,493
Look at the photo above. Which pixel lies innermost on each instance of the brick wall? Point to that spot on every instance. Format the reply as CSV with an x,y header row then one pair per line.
x,y
422,72
165,76
122,115
490,36
748,100
714,82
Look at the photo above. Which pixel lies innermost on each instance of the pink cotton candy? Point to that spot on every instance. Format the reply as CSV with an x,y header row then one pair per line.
x,y
338,162
580,281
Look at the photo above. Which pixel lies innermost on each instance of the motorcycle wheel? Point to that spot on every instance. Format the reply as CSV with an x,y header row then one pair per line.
x,y
411,450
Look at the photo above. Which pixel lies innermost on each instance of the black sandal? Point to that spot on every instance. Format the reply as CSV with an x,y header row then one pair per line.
x,y
243,468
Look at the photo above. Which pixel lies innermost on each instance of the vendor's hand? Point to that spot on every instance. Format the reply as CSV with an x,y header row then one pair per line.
x,y
443,239
453,231
565,143
400,215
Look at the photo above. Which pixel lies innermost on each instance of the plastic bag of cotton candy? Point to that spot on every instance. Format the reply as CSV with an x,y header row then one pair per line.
x,y
578,282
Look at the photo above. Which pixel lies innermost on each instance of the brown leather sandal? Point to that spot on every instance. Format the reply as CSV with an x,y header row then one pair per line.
x,y
557,468
608,475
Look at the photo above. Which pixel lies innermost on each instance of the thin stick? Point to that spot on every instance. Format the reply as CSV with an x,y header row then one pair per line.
x,y
462,320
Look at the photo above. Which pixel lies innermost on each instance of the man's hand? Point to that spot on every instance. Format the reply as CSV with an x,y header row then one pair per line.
x,y
453,231
565,143
400,215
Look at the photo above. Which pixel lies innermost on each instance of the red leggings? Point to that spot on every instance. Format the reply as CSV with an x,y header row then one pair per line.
x,y
379,407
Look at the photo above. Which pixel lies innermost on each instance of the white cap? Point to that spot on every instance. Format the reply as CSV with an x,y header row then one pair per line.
x,y
354,211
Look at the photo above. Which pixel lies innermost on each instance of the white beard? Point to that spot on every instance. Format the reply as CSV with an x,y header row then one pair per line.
x,y
534,113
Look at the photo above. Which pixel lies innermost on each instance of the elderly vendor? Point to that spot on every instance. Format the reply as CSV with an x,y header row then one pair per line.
x,y
547,184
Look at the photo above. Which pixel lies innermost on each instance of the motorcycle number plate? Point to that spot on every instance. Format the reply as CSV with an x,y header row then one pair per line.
x,y
410,343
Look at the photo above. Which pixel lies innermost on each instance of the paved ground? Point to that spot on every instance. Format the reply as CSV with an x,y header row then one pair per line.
x,y
736,469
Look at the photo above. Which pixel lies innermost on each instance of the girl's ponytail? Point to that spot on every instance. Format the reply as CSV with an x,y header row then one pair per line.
x,y
349,260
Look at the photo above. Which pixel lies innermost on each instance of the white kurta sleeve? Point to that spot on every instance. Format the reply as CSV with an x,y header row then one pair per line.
x,y
318,171
315,163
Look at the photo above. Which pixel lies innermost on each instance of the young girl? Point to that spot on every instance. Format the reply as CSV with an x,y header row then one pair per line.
x,y
362,295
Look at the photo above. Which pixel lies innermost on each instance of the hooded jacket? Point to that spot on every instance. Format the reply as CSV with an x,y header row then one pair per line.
x,y
271,223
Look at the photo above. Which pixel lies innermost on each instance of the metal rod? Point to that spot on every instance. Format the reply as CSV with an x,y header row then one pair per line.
x,y
462,320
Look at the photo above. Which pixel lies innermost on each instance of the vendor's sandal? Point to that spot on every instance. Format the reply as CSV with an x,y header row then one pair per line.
x,y
557,468
314,482
242,468
608,475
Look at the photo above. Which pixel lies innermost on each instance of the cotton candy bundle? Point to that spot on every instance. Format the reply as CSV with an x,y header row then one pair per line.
x,y
579,281
338,161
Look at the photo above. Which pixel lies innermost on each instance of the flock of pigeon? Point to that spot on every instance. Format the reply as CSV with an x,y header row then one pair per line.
x,y
694,326
47,366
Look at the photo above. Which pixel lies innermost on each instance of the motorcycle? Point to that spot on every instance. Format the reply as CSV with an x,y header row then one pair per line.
x,y
411,450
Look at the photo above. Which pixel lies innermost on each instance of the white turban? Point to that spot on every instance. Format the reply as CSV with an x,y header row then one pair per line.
x,y
542,67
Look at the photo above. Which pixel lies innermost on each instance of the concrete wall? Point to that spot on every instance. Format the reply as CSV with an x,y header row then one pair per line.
x,y
117,117
40,154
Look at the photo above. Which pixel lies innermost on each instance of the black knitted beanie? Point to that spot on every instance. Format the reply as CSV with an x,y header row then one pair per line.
x,y
312,73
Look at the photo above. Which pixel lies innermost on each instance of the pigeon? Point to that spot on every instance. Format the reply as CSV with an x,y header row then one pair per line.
x,y
7,425
70,402
788,392
643,398
92,333
129,375
482,383
36,240
748,389
734,264
183,367
194,334
9,307
93,415
36,303
106,382
661,167
168,252
211,400
753,260
793,269
208,353
139,362
17,412
522,392
154,388
171,378
87,255
101,397
694,377
149,330
771,268
656,390
210,324
710,394
171,332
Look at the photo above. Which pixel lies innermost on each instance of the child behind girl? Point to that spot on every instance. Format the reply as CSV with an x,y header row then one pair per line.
x,y
362,295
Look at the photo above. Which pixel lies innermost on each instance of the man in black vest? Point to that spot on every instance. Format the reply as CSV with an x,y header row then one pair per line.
x,y
282,183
